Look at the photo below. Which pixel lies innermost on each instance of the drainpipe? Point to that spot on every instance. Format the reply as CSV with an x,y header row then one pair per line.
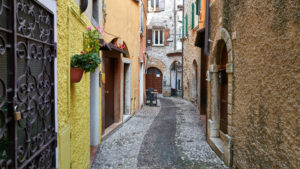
x,y
207,28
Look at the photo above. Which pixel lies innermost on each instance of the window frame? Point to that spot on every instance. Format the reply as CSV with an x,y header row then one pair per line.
x,y
154,5
95,11
158,37
141,18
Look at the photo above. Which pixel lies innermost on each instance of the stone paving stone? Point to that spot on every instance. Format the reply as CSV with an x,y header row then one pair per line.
x,y
169,136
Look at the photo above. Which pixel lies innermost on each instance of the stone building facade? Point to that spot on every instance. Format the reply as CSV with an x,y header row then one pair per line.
x,y
191,53
165,18
254,56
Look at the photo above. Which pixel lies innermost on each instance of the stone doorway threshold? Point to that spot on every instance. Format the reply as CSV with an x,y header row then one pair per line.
x,y
203,120
126,118
218,146
109,130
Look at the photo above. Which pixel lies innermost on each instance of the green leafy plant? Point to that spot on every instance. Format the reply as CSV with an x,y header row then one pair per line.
x,y
86,61
89,60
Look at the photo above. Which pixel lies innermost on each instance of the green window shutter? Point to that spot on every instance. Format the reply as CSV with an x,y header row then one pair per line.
x,y
199,4
186,24
197,7
192,16
183,24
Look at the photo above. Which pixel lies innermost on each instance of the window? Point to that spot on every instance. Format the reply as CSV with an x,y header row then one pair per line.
x,y
149,71
141,18
186,25
156,72
95,12
193,16
183,21
158,37
198,7
156,5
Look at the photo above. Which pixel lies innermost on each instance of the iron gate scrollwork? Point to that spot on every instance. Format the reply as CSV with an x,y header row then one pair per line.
x,y
27,52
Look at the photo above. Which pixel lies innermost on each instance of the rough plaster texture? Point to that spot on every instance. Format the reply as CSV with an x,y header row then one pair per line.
x,y
266,117
73,106
116,26
165,20
191,59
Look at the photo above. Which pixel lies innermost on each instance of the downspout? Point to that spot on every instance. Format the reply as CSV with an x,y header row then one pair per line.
x,y
182,92
207,28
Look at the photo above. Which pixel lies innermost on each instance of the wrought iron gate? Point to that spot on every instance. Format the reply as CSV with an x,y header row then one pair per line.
x,y
27,117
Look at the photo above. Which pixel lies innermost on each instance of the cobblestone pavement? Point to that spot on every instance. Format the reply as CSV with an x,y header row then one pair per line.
x,y
167,136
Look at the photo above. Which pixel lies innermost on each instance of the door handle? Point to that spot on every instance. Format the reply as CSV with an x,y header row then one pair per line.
x,y
106,92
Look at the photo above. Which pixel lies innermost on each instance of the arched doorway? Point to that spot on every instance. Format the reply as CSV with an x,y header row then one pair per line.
x,y
220,79
176,78
154,79
222,60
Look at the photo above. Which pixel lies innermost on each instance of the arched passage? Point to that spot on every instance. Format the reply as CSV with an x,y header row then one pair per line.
x,y
176,78
154,79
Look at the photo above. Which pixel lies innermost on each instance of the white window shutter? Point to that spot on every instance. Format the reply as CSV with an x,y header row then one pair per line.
x,y
161,5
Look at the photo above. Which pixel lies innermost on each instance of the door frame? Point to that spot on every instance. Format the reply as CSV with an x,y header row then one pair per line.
x,y
127,93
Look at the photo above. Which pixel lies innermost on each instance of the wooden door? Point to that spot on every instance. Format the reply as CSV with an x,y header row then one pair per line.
x,y
109,91
154,79
223,83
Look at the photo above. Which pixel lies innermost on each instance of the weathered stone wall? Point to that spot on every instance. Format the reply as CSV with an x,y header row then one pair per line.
x,y
191,53
266,49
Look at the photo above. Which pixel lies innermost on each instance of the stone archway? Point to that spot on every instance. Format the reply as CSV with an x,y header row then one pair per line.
x,y
220,96
152,62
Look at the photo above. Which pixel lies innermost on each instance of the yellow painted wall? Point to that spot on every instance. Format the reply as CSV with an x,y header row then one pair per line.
x,y
73,99
122,21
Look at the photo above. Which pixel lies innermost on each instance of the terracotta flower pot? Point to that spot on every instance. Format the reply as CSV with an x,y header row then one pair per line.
x,y
76,74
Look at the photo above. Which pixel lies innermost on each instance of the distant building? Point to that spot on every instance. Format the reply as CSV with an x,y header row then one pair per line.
x,y
164,47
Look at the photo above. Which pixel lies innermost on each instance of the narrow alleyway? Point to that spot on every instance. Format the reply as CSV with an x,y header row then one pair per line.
x,y
167,136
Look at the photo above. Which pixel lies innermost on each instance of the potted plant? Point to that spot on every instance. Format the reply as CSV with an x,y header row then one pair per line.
x,y
88,60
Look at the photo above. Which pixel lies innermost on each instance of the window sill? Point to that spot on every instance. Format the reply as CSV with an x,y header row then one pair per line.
x,y
158,45
154,11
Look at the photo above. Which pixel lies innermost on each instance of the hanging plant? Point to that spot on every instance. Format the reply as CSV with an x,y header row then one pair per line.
x,y
88,60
